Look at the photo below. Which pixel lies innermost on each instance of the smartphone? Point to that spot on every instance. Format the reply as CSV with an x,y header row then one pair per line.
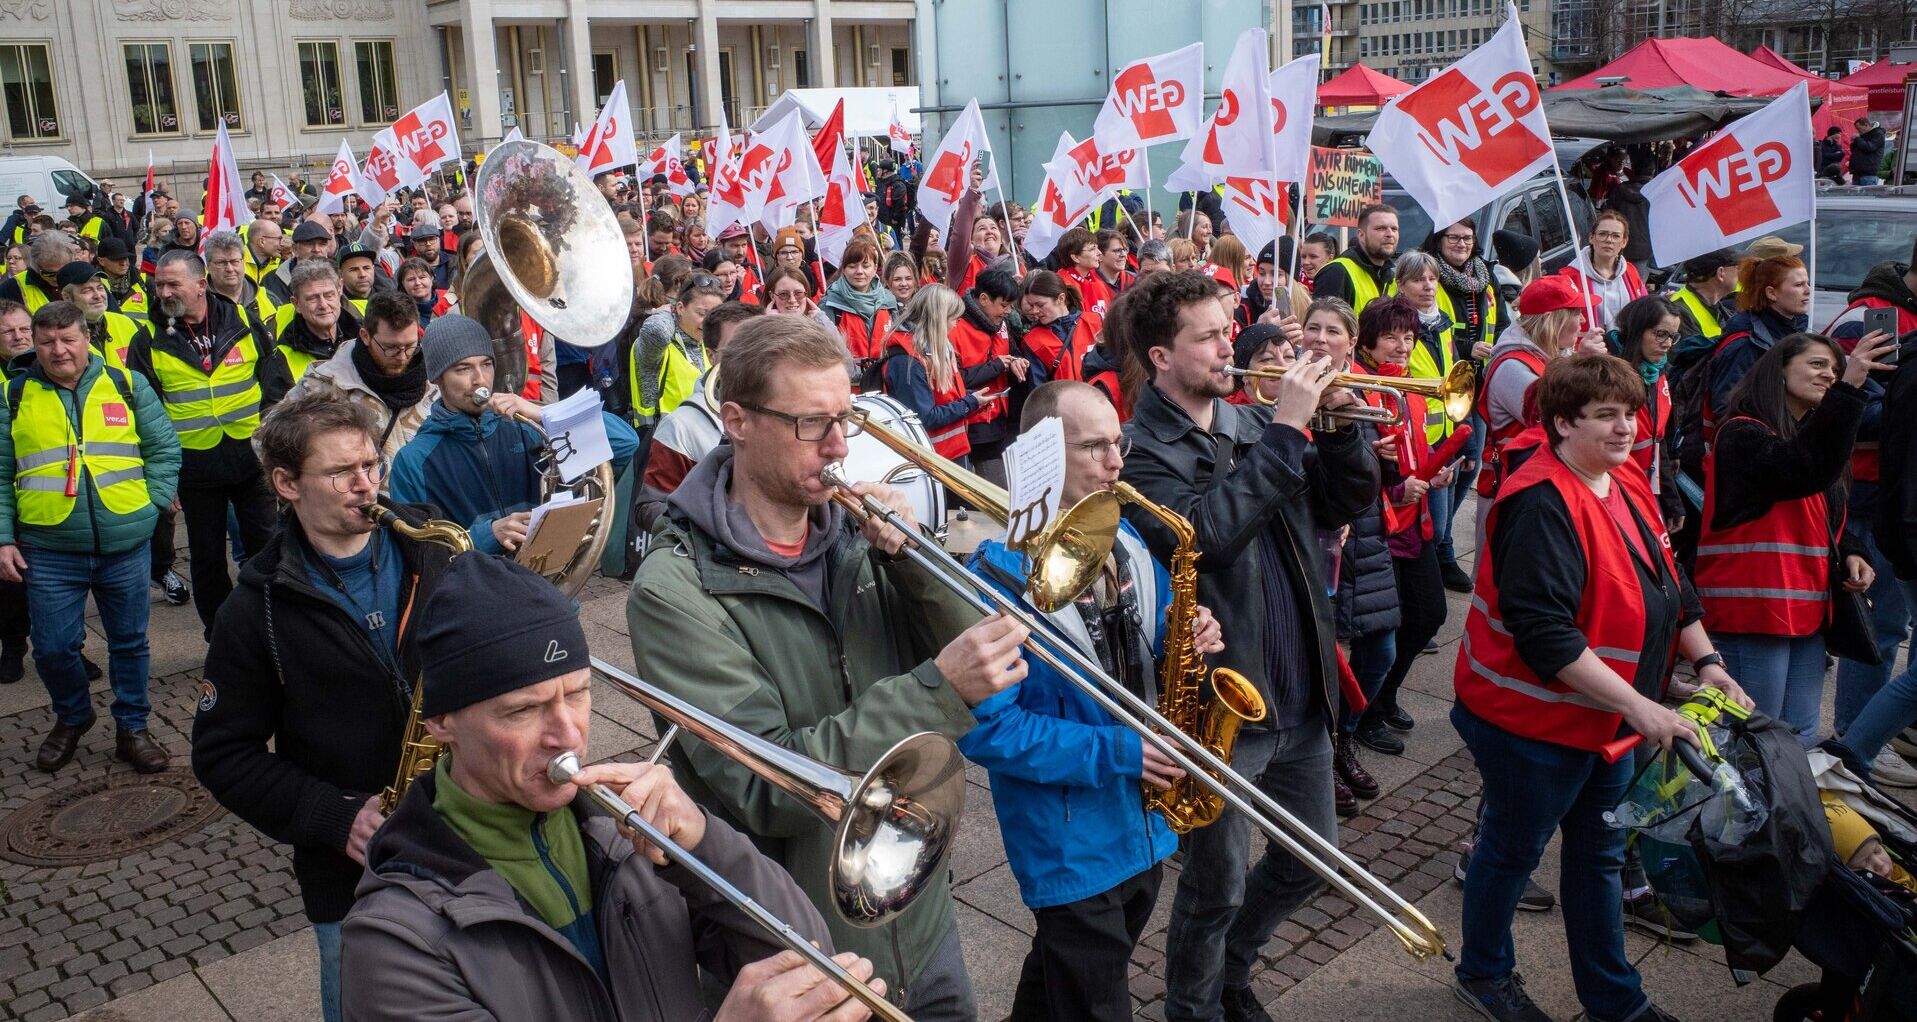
x,y
1884,320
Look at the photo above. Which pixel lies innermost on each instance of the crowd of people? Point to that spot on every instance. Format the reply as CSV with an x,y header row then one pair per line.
x,y
1701,478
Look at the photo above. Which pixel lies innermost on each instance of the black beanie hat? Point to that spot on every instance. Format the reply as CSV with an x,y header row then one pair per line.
x,y
491,626
1252,341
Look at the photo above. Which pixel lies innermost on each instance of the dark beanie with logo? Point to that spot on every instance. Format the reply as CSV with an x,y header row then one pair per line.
x,y
491,626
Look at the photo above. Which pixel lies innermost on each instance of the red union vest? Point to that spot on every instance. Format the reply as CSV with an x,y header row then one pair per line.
x,y
975,347
1493,681
1767,577
1064,358
1502,435
1093,294
951,441
1653,421
1411,452
862,342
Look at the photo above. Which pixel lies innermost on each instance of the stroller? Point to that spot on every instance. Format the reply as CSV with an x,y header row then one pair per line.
x,y
1735,841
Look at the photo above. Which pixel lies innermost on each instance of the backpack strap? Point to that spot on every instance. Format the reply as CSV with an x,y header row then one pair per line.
x,y
16,391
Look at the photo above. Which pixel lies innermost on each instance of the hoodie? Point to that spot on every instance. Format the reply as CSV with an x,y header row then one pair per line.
x,y
705,499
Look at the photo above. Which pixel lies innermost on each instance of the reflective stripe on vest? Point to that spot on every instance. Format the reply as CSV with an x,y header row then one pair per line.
x,y
107,446
1364,290
1766,577
206,407
1492,679
1707,323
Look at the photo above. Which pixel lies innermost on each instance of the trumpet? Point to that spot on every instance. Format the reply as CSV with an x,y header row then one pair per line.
x,y
1456,390
1420,937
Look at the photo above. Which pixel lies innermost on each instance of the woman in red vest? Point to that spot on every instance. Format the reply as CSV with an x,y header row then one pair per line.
x,y
1061,331
1775,482
860,306
1580,613
1647,329
1077,258
921,370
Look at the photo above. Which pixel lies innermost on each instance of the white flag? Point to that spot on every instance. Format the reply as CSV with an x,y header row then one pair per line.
x,y
1470,134
668,161
284,195
514,135
1095,174
1239,137
843,212
1294,97
341,181
949,172
225,196
1253,207
384,172
1751,179
795,178
896,136
1059,205
427,136
1158,99
609,144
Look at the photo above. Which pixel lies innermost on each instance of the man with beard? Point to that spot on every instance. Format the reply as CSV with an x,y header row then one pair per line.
x,y
210,368
1363,272
358,275
426,235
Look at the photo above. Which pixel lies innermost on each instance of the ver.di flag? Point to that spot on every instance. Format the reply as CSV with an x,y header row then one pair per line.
x,y
1473,132
608,144
1750,179
225,196
341,182
1158,99
843,212
949,172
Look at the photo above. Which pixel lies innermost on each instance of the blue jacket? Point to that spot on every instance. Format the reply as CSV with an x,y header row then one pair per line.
x,y
475,470
1065,774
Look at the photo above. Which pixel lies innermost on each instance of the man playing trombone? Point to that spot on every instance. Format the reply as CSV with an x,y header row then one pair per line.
x,y
495,892
1257,489
760,601
1066,775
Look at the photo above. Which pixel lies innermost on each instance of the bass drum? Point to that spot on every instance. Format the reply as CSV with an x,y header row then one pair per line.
x,y
869,461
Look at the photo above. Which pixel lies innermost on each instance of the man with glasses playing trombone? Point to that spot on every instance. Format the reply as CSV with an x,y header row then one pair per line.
x,y
762,602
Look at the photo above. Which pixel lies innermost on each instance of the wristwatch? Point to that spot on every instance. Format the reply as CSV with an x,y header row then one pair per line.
x,y
1711,659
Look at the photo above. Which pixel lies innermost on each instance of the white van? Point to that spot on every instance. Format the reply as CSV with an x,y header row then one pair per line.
x,y
49,179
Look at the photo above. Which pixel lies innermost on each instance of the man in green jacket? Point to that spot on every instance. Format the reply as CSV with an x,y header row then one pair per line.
x,y
762,602
87,459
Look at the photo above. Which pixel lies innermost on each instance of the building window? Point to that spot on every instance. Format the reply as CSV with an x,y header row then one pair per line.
x,y
149,80
605,74
378,87
216,93
802,69
26,81
319,81
900,63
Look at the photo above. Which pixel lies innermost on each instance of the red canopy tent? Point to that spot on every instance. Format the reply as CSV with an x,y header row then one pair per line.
x,y
1359,85
1713,66
1885,83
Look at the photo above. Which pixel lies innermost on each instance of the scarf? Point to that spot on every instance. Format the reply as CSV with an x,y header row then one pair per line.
x,y
843,297
396,392
1472,280
1651,371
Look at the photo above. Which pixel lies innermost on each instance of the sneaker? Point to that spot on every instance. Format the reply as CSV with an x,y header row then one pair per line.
x,y
1342,798
1893,770
1430,648
1398,720
1455,578
1906,743
1534,898
174,587
1648,913
1241,1005
1374,735
1344,761
1502,999
13,662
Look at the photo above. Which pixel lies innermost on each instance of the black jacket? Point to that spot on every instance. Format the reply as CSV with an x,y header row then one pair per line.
x,y
300,337
288,665
1367,598
1333,281
1756,469
1174,463
230,461
1867,153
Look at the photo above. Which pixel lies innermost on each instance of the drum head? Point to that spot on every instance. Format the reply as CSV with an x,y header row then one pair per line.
x,y
869,461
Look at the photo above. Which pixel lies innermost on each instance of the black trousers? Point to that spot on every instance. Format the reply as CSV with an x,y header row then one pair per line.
x,y
1421,612
1080,962
205,509
162,545
13,613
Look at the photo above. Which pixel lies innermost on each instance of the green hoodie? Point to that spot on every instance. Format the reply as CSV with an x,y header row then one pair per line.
x,y
91,528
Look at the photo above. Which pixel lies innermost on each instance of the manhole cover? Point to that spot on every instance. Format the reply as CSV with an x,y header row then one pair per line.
x,y
105,819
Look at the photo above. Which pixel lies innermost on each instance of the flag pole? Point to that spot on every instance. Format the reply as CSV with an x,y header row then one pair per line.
x,y
1146,234
817,261
1011,243
1577,247
1299,242
645,236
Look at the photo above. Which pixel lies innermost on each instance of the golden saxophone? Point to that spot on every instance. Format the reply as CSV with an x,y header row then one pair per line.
x,y
418,751
1187,805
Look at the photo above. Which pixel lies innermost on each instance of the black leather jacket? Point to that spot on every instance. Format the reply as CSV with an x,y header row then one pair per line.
x,y
1176,464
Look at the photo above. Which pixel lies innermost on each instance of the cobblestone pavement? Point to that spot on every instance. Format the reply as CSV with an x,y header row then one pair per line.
x,y
210,926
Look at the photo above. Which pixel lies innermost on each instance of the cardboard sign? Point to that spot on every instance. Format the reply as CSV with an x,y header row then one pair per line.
x,y
1342,182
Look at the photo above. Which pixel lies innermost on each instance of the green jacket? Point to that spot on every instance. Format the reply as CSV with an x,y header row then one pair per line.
x,y
841,687
91,528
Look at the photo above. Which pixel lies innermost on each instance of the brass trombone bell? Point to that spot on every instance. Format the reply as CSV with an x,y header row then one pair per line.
x,y
1457,390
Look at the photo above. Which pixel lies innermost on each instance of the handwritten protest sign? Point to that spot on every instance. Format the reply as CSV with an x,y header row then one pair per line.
x,y
1343,181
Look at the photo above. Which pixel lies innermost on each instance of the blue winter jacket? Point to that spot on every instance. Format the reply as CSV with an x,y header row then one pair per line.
x,y
475,470
1065,774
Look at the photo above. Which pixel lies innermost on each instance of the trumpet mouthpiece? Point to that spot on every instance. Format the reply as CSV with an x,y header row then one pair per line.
x,y
562,768
834,475
482,394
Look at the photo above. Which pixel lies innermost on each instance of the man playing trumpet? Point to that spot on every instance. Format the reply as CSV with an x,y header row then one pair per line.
x,y
495,892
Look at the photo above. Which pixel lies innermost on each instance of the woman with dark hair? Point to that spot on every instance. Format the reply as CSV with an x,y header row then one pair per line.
x,y
861,307
1580,614
1647,330
1077,259
987,361
670,354
1060,331
1775,482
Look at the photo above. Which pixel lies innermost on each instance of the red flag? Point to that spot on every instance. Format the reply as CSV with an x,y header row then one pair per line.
x,y
225,199
843,214
831,134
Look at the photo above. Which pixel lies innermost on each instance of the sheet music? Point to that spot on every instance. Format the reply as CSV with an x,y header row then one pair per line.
x,y
1035,466
559,500
577,434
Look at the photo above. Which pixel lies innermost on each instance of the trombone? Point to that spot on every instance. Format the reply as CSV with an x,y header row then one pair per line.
x,y
894,826
1413,929
1456,390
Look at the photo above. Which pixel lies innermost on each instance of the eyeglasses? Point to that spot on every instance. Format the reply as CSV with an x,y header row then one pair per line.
x,y
788,295
1665,335
1460,239
1100,450
812,428
343,479
1608,235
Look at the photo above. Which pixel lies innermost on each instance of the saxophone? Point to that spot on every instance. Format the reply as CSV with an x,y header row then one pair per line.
x,y
419,750
1187,805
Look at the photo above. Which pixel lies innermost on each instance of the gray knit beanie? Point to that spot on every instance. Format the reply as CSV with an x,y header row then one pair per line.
x,y
451,338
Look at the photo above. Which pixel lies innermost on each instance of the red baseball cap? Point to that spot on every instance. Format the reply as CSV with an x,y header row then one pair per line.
x,y
1549,294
